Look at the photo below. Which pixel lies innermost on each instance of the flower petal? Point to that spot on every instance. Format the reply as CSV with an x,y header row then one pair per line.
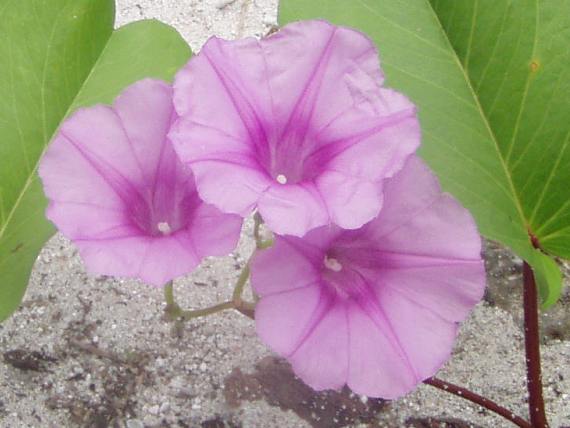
x,y
117,189
450,291
282,318
225,88
426,245
72,154
292,209
322,358
155,261
377,367
146,113
206,142
444,229
371,147
417,219
227,174
167,258
232,187
211,232
311,67
402,281
351,202
97,221
275,96
425,338
271,271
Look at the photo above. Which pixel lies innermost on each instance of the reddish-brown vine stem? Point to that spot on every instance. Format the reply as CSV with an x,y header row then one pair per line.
x,y
478,399
532,348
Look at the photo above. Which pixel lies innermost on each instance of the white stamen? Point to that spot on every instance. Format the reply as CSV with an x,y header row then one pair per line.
x,y
281,179
164,228
333,264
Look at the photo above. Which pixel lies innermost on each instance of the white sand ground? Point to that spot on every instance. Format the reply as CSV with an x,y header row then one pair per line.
x,y
117,361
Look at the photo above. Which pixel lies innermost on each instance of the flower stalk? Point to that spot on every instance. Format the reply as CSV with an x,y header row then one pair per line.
x,y
260,243
197,313
172,309
240,285
175,312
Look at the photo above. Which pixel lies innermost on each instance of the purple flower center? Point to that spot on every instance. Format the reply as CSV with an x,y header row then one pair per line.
x,y
343,276
161,212
292,158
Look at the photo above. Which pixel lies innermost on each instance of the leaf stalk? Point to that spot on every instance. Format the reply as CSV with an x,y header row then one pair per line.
x,y
532,349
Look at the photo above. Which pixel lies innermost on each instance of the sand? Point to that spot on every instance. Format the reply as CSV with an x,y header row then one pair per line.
x,y
86,351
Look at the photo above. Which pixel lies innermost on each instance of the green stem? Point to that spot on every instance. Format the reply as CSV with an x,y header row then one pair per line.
x,y
259,242
169,294
172,309
246,308
263,245
256,228
174,312
244,275
242,280
188,315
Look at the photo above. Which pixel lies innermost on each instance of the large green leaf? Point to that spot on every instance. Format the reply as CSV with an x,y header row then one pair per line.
x,y
492,82
58,55
517,55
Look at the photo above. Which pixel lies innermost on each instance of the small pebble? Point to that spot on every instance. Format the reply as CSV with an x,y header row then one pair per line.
x,y
134,423
221,4
269,21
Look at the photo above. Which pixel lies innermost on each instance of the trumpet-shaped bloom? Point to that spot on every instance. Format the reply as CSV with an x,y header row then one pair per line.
x,y
118,191
296,125
375,308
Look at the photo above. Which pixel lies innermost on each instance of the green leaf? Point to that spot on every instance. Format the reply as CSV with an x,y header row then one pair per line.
x,y
518,62
492,82
58,55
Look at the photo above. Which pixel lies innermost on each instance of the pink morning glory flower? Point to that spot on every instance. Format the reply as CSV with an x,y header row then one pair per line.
x,y
296,125
118,191
375,308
